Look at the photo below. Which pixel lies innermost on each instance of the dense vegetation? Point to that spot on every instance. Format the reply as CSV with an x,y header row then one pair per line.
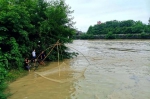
x,y
118,29
23,23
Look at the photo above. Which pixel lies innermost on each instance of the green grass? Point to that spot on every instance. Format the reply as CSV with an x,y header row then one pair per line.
x,y
13,75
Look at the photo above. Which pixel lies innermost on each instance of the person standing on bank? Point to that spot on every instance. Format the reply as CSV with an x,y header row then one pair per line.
x,y
42,56
34,56
26,64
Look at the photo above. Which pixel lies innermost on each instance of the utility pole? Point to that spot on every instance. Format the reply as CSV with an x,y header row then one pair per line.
x,y
149,21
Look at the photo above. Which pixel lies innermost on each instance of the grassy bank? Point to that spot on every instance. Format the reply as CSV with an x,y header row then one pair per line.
x,y
13,75
7,78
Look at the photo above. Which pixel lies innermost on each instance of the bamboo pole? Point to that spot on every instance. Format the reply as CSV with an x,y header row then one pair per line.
x,y
51,49
58,58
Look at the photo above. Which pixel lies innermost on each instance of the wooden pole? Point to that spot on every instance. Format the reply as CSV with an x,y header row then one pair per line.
x,y
58,57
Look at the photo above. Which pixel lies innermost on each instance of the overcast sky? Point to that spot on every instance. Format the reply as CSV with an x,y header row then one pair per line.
x,y
88,12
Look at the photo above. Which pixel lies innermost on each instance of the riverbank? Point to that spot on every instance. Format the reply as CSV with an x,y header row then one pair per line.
x,y
15,75
114,36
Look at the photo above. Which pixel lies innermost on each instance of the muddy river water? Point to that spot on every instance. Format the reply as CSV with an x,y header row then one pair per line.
x,y
104,69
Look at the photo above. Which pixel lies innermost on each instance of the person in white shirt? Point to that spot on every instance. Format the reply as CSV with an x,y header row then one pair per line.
x,y
34,56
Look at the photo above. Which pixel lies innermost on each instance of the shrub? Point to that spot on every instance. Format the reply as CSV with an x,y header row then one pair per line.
x,y
110,35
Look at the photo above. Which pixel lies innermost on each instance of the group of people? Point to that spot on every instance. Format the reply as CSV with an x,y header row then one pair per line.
x,y
34,59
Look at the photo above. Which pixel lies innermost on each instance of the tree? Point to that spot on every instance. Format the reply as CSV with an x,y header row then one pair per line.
x,y
3,74
118,27
90,30
25,22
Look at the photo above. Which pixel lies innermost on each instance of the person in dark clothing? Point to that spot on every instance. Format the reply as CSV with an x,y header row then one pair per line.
x,y
26,64
42,56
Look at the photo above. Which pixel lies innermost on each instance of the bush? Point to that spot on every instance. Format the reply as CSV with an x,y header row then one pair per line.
x,y
3,84
143,35
110,35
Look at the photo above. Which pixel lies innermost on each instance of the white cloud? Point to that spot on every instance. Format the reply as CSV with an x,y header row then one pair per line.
x,y
88,12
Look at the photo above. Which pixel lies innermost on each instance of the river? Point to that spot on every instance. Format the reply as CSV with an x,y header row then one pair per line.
x,y
104,69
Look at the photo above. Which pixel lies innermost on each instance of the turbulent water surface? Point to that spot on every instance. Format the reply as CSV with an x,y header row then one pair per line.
x,y
114,69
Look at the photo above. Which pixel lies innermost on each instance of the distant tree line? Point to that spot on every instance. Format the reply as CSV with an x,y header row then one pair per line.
x,y
25,23
118,29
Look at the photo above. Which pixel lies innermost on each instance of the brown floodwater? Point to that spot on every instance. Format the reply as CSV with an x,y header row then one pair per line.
x,y
104,69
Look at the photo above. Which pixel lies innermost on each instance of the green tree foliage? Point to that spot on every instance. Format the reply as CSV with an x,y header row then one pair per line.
x,y
148,27
119,27
23,23
3,74
110,35
127,29
90,30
